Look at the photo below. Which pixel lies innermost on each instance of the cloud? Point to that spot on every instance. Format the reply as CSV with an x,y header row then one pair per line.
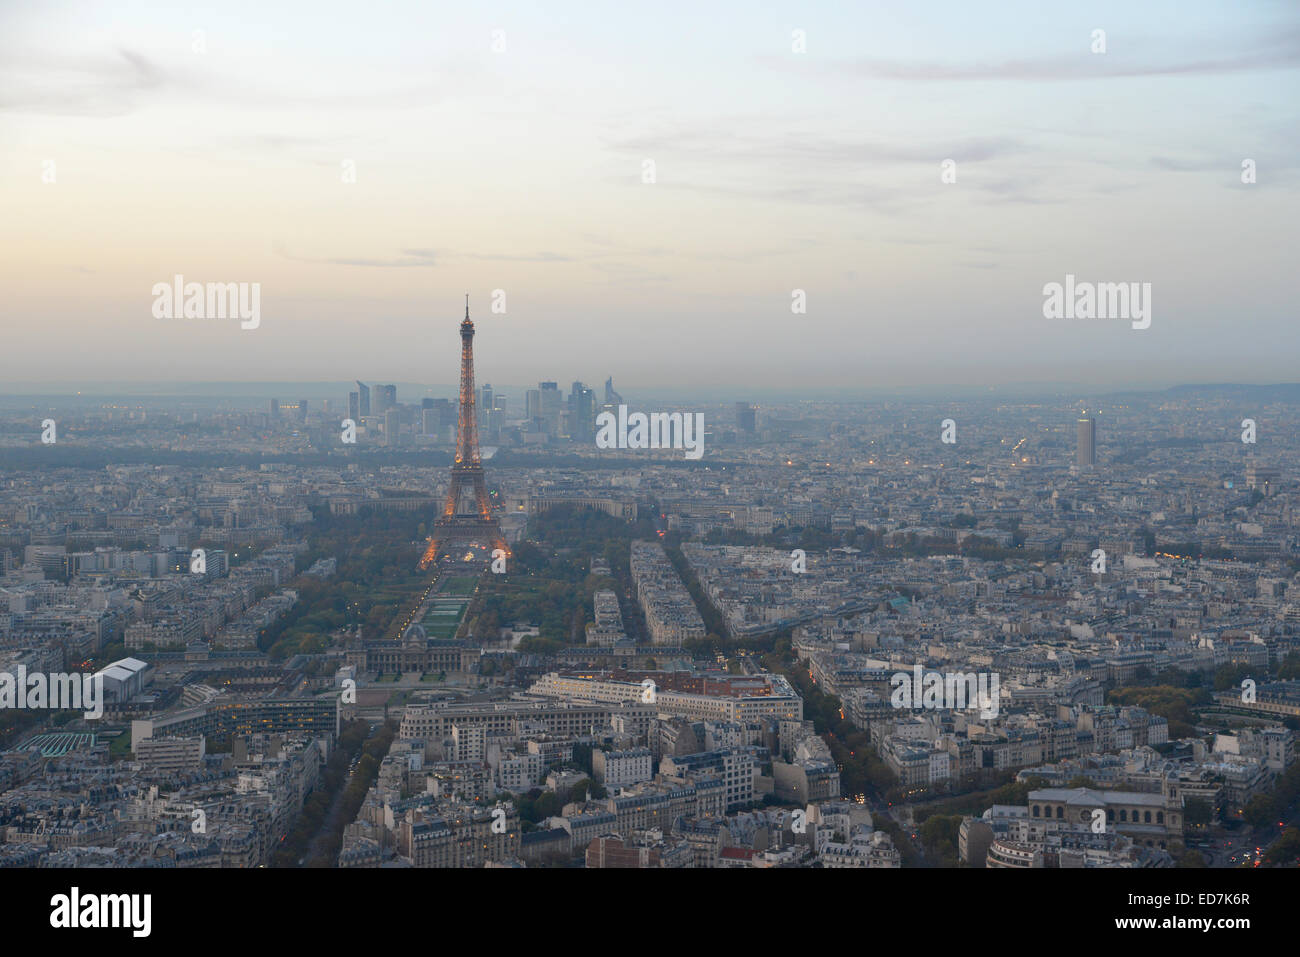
x,y
542,257
106,85
63,85
1231,166
1279,49
723,142
802,167
409,258
414,257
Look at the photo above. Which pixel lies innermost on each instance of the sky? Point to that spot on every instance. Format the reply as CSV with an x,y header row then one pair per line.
x,y
505,147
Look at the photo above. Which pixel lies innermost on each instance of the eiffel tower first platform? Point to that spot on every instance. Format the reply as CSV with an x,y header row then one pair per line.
x,y
466,521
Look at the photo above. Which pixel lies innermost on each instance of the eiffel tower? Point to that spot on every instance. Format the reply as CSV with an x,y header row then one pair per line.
x,y
472,526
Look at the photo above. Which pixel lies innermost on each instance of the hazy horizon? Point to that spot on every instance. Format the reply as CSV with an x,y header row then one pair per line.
x,y
410,392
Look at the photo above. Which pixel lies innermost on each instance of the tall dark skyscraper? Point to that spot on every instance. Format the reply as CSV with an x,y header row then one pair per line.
x,y
354,405
1087,451
363,399
550,405
582,413
745,418
446,414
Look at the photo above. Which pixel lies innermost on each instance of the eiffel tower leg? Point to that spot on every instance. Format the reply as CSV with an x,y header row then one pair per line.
x,y
485,511
453,497
481,495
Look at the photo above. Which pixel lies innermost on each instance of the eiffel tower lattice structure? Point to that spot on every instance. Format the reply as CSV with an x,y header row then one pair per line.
x,y
467,514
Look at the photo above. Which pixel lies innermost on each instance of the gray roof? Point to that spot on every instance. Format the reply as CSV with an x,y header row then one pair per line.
x,y
1090,797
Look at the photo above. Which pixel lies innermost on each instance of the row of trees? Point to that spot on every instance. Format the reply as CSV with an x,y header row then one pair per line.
x,y
318,830
549,582
861,769
376,581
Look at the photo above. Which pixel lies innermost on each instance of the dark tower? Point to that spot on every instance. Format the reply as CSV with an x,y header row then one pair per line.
x,y
475,523
1086,452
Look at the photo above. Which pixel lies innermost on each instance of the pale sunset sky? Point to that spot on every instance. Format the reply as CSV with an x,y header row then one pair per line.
x,y
209,140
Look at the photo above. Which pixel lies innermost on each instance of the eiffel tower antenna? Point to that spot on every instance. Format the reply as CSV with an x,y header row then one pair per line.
x,y
467,469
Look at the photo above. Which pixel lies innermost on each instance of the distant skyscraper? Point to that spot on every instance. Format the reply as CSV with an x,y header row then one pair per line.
x,y
302,410
387,399
582,413
446,414
612,398
275,410
363,400
533,404
1087,442
745,421
392,427
354,405
550,403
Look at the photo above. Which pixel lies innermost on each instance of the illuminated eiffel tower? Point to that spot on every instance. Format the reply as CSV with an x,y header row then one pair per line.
x,y
472,526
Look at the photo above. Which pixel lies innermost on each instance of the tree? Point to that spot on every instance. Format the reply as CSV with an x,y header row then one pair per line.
x,y
1286,850
1290,667
939,837
1259,811
1197,811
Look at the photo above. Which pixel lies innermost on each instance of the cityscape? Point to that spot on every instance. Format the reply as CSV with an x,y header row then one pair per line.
x,y
341,633
852,437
